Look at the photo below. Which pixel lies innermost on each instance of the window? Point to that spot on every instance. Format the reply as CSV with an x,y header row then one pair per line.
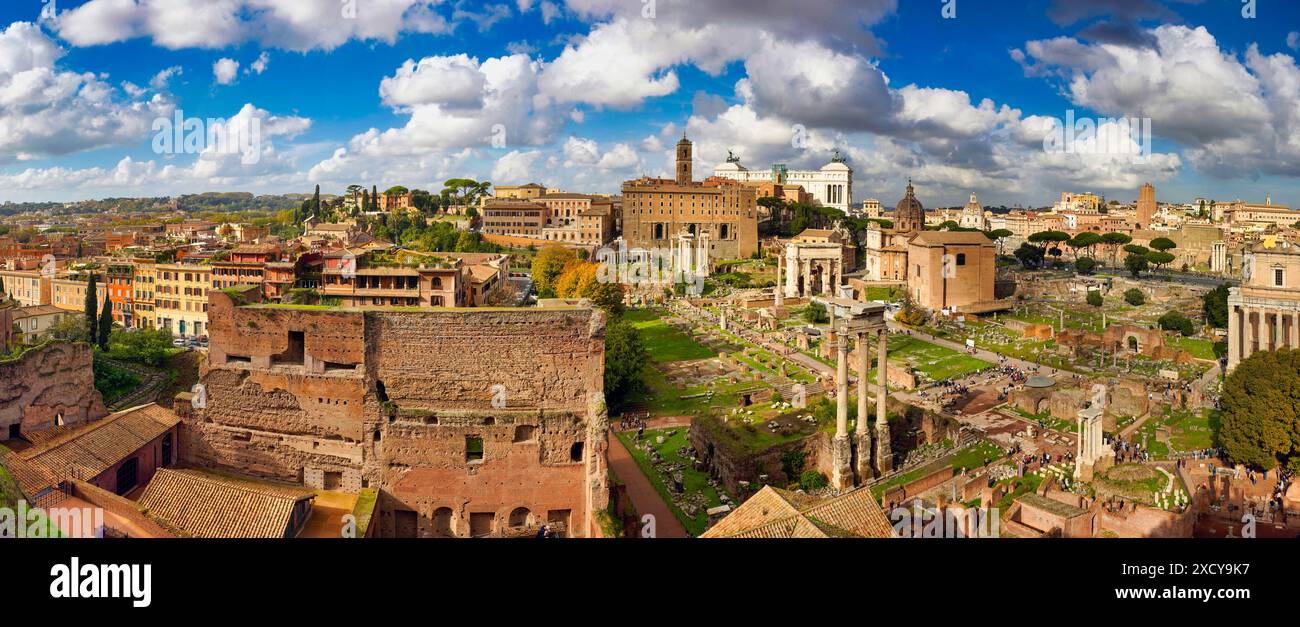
x,y
474,449
1279,277
961,259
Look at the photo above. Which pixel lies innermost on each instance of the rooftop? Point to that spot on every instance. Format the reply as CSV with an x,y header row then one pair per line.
x,y
209,505
777,513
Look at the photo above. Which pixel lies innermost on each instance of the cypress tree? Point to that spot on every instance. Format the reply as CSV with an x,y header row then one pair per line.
x,y
105,323
91,312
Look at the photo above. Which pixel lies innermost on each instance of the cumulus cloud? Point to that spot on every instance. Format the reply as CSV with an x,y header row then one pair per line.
x,y
1233,116
286,24
211,164
47,111
225,71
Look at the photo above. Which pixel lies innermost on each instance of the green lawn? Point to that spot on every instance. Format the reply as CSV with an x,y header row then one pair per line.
x,y
1199,348
887,294
938,362
662,341
1191,430
694,481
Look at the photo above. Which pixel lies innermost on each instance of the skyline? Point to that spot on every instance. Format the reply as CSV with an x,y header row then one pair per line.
x,y
585,94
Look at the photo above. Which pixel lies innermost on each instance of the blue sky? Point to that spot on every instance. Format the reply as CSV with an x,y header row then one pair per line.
x,y
583,94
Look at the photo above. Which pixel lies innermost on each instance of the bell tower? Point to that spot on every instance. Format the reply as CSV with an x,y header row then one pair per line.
x,y
685,175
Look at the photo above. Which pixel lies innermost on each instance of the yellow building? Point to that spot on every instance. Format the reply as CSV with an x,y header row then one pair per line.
x,y
657,211
1264,312
181,298
28,287
68,293
144,284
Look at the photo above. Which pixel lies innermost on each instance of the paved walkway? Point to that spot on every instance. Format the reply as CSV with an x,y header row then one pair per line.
x,y
644,497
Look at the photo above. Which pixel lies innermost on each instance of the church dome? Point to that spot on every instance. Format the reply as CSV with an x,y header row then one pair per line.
x,y
909,215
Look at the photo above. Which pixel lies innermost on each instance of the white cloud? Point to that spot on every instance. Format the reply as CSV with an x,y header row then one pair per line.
x,y
46,111
225,71
286,24
162,79
259,65
1233,118
515,167
454,103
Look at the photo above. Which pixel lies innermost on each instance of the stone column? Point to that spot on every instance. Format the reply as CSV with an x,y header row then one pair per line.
x,y
807,278
864,373
1234,335
861,434
841,448
842,385
884,451
1248,335
1266,327
1295,331
780,281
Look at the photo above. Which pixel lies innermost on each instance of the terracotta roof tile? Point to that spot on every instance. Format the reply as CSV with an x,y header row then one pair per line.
x,y
774,513
207,505
85,451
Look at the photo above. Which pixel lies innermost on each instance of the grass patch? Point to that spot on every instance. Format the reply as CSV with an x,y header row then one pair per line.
x,y
693,481
662,341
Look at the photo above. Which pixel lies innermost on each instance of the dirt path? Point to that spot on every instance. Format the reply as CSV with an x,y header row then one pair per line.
x,y
642,492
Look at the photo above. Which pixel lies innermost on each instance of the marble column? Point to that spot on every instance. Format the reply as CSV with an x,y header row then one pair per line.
x,y
807,278
1295,330
841,447
842,385
884,451
1248,335
862,434
780,281
1235,333
1266,330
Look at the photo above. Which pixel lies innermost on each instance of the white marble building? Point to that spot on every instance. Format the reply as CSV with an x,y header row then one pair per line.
x,y
832,185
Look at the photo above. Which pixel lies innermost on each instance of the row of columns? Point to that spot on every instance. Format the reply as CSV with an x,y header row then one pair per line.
x,y
832,275
1273,328
842,448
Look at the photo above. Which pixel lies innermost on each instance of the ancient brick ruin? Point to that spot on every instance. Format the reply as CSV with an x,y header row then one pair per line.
x,y
46,386
470,422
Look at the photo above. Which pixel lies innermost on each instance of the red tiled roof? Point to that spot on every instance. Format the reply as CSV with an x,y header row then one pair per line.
x,y
207,505
776,513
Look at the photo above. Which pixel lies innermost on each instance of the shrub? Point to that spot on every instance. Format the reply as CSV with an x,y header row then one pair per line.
x,y
812,480
1085,265
1135,297
1175,321
1094,298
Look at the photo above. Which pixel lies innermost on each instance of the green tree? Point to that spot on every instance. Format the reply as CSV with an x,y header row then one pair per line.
x,y
1176,321
1215,306
1084,241
1135,297
625,361
1260,424
1160,259
105,326
816,313
1029,256
1135,264
91,312
1114,241
1085,265
1094,298
144,346
1163,244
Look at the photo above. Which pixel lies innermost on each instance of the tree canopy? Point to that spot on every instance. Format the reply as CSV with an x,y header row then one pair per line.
x,y
1261,410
